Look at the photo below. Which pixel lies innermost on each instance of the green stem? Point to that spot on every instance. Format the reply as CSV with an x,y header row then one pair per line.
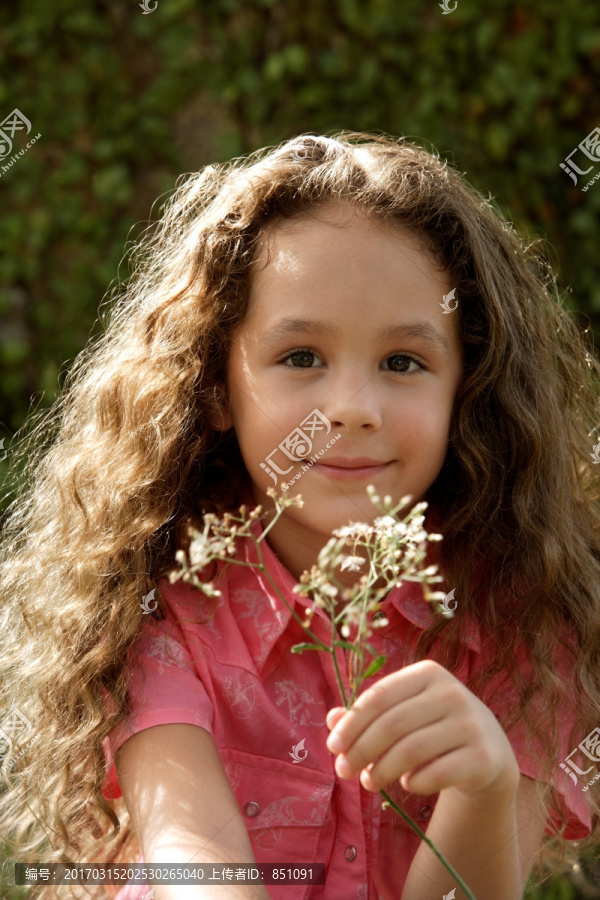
x,y
266,529
429,843
241,562
299,619
347,703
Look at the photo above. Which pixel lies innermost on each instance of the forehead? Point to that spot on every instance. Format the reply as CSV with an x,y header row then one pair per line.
x,y
278,242
336,251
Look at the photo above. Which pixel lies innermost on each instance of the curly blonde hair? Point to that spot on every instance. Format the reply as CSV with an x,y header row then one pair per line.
x,y
127,457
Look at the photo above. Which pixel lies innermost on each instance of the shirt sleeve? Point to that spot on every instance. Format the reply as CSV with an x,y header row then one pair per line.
x,y
501,696
164,687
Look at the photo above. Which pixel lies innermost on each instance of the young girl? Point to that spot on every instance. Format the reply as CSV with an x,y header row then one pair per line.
x,y
358,289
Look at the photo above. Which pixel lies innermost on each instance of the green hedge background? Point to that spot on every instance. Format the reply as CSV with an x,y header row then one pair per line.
x,y
126,101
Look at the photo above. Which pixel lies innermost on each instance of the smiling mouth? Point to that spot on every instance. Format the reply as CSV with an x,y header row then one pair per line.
x,y
347,473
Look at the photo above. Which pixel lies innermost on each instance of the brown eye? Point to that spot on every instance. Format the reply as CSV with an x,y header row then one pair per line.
x,y
399,362
305,358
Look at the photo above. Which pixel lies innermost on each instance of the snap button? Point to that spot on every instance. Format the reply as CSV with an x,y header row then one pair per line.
x,y
425,812
252,809
350,853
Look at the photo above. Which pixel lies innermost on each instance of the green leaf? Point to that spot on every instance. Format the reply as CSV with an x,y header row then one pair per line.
x,y
375,666
300,648
347,645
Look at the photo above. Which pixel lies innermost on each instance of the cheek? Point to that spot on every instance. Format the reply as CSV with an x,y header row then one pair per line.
x,y
421,429
255,394
419,418
261,422
264,413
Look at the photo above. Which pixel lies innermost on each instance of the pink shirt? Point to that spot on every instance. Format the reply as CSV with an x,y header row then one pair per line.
x,y
237,678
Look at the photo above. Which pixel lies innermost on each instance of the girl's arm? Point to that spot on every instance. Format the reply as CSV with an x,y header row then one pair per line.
x,y
490,841
183,809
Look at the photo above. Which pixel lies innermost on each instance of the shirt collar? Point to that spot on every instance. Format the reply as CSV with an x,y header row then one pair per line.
x,y
407,599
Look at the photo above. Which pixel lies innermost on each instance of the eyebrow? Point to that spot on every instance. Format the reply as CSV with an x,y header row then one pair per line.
x,y
420,329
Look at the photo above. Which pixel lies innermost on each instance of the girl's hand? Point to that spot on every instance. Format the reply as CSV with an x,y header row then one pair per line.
x,y
423,726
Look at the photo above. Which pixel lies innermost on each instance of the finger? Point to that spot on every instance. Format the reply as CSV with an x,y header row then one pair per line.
x,y
380,736
454,768
334,715
390,691
414,751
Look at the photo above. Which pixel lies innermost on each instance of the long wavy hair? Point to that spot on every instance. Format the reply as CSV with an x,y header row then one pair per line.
x,y
127,457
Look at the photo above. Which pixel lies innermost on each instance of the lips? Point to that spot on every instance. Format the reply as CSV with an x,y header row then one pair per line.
x,y
351,469
356,462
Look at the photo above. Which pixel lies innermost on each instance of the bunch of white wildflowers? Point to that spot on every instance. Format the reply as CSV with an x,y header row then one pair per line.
x,y
393,551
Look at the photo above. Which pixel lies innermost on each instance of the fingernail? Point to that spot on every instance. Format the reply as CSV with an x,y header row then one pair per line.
x,y
343,767
335,742
332,715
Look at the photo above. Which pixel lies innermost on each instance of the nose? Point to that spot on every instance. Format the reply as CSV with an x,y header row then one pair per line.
x,y
353,400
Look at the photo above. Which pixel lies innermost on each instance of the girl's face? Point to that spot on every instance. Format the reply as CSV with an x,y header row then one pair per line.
x,y
346,319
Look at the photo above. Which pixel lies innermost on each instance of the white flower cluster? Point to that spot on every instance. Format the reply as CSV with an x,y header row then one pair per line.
x,y
392,548
217,541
